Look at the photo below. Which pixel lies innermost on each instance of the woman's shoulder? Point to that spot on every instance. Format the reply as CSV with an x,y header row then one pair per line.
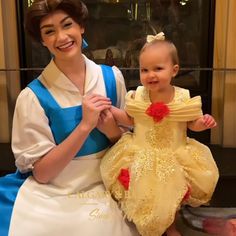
x,y
26,94
117,72
96,68
26,99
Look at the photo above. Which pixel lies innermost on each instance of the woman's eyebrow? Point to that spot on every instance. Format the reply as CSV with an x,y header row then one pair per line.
x,y
51,25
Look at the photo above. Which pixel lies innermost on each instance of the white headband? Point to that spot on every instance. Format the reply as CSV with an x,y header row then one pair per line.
x,y
160,36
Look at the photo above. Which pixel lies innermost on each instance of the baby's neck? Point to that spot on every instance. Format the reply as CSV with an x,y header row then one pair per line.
x,y
165,96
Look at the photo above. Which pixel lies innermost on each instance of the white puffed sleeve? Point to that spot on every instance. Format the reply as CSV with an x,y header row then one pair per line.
x,y
31,135
120,87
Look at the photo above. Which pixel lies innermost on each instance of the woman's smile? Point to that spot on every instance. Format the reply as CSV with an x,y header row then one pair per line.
x,y
66,46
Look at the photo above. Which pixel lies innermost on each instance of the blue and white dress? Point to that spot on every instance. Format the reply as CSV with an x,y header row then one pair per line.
x,y
75,202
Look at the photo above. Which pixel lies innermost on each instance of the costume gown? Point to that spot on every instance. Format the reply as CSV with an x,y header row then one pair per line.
x,y
161,167
75,202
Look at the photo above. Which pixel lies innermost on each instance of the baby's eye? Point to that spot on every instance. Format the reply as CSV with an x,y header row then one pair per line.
x,y
143,70
158,68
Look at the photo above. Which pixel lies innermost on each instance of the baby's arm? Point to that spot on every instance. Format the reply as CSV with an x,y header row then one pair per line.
x,y
121,117
202,123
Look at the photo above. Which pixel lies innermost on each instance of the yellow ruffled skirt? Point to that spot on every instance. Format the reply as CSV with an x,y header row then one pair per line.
x,y
159,180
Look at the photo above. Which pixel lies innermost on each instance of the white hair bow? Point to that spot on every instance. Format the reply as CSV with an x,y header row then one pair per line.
x,y
160,36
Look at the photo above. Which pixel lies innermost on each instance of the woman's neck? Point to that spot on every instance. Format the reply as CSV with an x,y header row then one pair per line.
x,y
74,70
72,66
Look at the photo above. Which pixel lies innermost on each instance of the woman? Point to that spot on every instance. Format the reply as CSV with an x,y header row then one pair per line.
x,y
61,129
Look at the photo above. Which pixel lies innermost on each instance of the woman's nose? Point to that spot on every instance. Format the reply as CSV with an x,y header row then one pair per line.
x,y
61,35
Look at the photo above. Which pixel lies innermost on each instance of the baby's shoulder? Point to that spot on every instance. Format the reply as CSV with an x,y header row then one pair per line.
x,y
141,94
181,94
136,94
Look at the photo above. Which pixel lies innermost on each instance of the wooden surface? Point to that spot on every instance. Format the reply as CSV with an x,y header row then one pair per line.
x,y
4,122
224,82
9,58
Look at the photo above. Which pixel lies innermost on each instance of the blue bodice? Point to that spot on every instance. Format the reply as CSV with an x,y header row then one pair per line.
x,y
63,121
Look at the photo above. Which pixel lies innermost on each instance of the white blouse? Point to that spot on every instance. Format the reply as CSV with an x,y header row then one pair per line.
x,y
31,135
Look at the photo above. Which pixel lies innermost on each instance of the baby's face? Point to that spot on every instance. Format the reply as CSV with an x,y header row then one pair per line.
x,y
156,67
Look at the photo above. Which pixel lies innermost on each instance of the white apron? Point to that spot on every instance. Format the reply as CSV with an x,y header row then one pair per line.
x,y
74,203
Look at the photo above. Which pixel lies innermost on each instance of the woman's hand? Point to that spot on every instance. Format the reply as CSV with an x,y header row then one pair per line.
x,y
50,165
107,125
92,106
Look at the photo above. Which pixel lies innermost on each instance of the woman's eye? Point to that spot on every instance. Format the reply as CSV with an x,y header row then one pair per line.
x,y
49,32
68,24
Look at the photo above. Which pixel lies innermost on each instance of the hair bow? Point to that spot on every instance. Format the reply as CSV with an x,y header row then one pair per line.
x,y
160,36
46,3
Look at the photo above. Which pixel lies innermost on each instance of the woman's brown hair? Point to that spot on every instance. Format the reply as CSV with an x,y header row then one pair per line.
x,y
76,9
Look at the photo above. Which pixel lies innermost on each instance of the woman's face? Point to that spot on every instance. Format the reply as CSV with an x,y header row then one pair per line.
x,y
61,35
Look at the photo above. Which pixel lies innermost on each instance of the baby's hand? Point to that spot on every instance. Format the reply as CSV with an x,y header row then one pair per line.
x,y
208,121
106,122
202,123
108,126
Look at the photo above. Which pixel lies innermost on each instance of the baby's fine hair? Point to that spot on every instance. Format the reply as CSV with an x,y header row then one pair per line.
x,y
160,42
76,9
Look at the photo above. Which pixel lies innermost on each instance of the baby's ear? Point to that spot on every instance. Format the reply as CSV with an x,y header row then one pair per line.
x,y
133,95
175,70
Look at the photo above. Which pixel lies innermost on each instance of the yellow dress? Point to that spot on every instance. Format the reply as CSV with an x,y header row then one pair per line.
x,y
162,162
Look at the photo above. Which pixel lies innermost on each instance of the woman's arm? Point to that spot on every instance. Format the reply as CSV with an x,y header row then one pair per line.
x,y
51,164
107,123
202,123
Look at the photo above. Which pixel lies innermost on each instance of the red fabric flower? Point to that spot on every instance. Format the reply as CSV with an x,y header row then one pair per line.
x,y
216,226
158,111
187,194
124,178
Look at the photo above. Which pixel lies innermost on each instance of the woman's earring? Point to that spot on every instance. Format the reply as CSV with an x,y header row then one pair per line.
x,y
84,44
